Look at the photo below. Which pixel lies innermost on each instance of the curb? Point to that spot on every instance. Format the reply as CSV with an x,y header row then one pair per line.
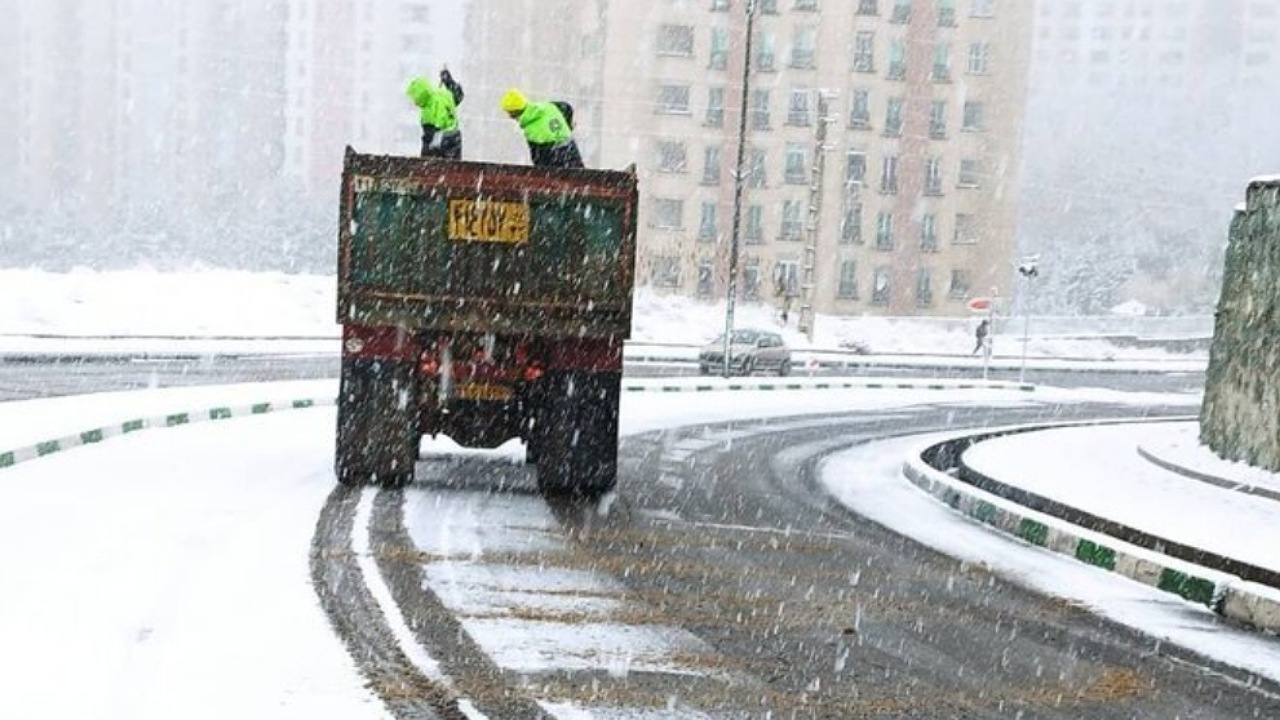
x,y
10,458
1151,457
826,385
1252,604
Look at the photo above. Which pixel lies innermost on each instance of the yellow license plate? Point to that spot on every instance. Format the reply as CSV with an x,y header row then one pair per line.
x,y
484,391
489,221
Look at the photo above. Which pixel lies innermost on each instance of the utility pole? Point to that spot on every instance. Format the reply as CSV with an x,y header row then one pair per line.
x,y
808,269
1029,269
738,181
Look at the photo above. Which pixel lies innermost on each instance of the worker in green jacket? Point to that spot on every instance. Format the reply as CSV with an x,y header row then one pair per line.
x,y
438,113
547,127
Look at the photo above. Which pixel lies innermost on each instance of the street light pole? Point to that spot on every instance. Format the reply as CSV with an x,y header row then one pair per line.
x,y
737,188
1028,269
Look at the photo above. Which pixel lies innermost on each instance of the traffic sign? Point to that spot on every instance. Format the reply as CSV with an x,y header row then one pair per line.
x,y
980,304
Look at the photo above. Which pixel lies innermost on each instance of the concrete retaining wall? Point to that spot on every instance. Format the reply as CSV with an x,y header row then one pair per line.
x,y
1240,419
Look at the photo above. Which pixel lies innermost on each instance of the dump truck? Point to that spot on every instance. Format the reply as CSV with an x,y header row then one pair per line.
x,y
484,302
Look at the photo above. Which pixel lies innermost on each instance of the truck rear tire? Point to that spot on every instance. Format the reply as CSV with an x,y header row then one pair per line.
x,y
378,436
578,449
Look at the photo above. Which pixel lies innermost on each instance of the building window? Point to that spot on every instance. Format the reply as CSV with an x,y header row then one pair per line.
x,y
924,287
766,59
966,230
880,286
794,171
983,9
806,5
705,275
847,285
884,231
941,63
798,108
969,173
979,58
946,13
715,107
711,165
933,176
893,118
759,109
929,233
768,7
897,59
864,52
719,48
792,224
938,120
668,214
855,167
867,7
804,45
889,175
675,40
973,117
719,5
708,227
754,230
666,272
851,222
901,11
751,279
860,109
673,99
671,157
757,177
961,282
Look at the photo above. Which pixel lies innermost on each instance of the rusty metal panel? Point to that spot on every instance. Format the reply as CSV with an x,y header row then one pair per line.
x,y
457,245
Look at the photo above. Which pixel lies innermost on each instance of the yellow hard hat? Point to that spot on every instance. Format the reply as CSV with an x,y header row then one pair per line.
x,y
513,101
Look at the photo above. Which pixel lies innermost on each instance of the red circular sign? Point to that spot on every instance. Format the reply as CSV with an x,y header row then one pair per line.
x,y
980,304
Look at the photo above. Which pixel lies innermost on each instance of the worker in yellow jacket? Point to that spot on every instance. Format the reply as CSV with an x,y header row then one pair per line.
x,y
547,127
438,113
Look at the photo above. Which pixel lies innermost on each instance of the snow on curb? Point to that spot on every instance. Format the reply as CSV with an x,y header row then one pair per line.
x,y
1251,603
705,384
12,457
96,435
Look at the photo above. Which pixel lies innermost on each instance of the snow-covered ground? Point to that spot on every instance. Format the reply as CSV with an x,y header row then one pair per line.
x,y
165,573
167,570
229,304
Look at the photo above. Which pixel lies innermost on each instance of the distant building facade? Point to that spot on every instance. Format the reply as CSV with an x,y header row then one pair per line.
x,y
120,104
347,65
913,211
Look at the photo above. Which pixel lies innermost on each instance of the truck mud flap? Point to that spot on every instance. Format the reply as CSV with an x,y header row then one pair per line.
x,y
377,434
576,433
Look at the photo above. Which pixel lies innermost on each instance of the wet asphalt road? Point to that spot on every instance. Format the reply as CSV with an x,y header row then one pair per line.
x,y
808,610
836,617
27,378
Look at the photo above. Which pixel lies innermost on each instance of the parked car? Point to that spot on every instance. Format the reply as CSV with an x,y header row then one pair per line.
x,y
750,351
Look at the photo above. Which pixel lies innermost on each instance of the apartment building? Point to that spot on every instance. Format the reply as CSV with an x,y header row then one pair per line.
x,y
117,104
1144,43
913,210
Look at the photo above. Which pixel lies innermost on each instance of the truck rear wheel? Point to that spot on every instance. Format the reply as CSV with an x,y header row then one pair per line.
x,y
377,438
577,450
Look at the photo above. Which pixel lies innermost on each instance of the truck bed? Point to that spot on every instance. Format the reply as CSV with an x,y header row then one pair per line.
x,y
447,245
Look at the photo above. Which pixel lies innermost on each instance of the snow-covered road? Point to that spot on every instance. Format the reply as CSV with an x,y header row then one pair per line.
x,y
165,574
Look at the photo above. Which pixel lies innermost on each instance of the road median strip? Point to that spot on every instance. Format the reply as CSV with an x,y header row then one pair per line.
x,y
225,412
93,436
1230,596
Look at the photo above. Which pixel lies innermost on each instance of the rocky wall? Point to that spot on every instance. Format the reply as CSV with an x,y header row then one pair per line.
x,y
1240,419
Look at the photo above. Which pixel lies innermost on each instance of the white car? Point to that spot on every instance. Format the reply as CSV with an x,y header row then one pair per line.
x,y
750,351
